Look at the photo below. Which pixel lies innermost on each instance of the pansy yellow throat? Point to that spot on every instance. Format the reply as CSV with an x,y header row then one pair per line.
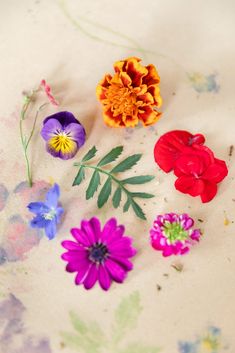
x,y
64,135
131,95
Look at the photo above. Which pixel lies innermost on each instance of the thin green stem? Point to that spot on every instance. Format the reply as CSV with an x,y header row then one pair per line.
x,y
107,173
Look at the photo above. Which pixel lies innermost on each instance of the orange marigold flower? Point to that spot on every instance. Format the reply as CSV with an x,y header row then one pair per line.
x,y
131,94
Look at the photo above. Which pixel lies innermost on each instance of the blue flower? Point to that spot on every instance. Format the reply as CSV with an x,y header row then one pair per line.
x,y
48,213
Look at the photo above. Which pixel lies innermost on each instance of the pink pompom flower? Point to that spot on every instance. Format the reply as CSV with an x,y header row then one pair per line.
x,y
99,254
173,234
47,90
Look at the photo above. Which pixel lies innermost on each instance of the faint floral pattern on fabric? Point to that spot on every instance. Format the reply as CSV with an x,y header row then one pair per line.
x,y
210,342
17,238
88,337
204,83
14,337
130,132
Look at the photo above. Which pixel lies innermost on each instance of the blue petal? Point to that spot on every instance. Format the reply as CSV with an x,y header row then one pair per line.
x,y
53,195
59,212
51,230
38,207
39,222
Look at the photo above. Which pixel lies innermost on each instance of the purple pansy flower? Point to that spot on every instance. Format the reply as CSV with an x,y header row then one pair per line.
x,y
99,255
63,134
173,234
47,213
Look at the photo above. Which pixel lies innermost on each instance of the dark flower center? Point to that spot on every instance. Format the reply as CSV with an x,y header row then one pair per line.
x,y
98,252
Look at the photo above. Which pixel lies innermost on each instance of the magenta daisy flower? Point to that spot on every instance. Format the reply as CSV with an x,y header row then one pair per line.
x,y
99,255
64,135
173,234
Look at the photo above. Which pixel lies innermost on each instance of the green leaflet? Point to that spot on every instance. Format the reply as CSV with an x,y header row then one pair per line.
x,y
93,185
112,178
105,193
90,154
141,179
80,176
128,163
117,197
111,156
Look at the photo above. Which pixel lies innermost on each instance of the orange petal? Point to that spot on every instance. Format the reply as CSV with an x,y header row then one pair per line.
x,y
112,121
152,77
136,71
146,98
105,82
148,116
116,80
100,92
155,92
125,78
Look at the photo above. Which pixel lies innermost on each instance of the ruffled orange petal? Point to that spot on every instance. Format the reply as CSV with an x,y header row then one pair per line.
x,y
111,120
155,92
136,71
100,92
152,77
146,98
148,116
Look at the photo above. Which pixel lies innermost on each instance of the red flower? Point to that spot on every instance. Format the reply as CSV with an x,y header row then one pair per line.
x,y
47,90
199,172
169,147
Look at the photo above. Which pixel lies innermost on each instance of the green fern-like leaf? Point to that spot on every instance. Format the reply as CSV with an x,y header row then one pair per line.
x,y
93,185
128,163
105,193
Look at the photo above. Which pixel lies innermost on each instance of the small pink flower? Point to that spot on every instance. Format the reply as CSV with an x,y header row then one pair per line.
x,y
99,254
47,90
173,234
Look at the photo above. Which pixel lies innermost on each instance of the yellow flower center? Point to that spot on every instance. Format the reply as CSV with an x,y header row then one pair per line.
x,y
62,142
122,100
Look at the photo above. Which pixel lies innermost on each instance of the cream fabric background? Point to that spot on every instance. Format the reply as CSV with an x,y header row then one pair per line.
x,y
53,40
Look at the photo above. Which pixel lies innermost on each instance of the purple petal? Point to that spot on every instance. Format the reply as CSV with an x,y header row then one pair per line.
x,y
76,132
116,235
117,273
70,245
59,212
82,272
96,226
50,230
122,248
80,236
91,277
108,229
65,118
38,207
126,264
52,196
196,234
50,129
75,255
89,231
39,222
104,278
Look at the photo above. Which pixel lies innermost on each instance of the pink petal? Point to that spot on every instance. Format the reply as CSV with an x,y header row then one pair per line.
x,y
104,278
89,231
95,223
82,274
74,255
126,264
77,266
108,229
116,271
91,277
80,236
70,245
122,248
116,235
168,251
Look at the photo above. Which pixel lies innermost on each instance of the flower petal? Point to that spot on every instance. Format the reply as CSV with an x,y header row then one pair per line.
x,y
70,245
135,71
104,278
190,185
122,248
126,264
117,234
148,115
38,207
91,277
108,230
64,118
57,148
80,236
89,231
189,165
209,192
75,255
116,271
216,172
82,272
52,196
39,222
51,230
76,132
50,128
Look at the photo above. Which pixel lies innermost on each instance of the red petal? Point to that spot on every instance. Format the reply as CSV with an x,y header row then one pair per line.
x,y
189,164
189,185
210,191
168,148
216,172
